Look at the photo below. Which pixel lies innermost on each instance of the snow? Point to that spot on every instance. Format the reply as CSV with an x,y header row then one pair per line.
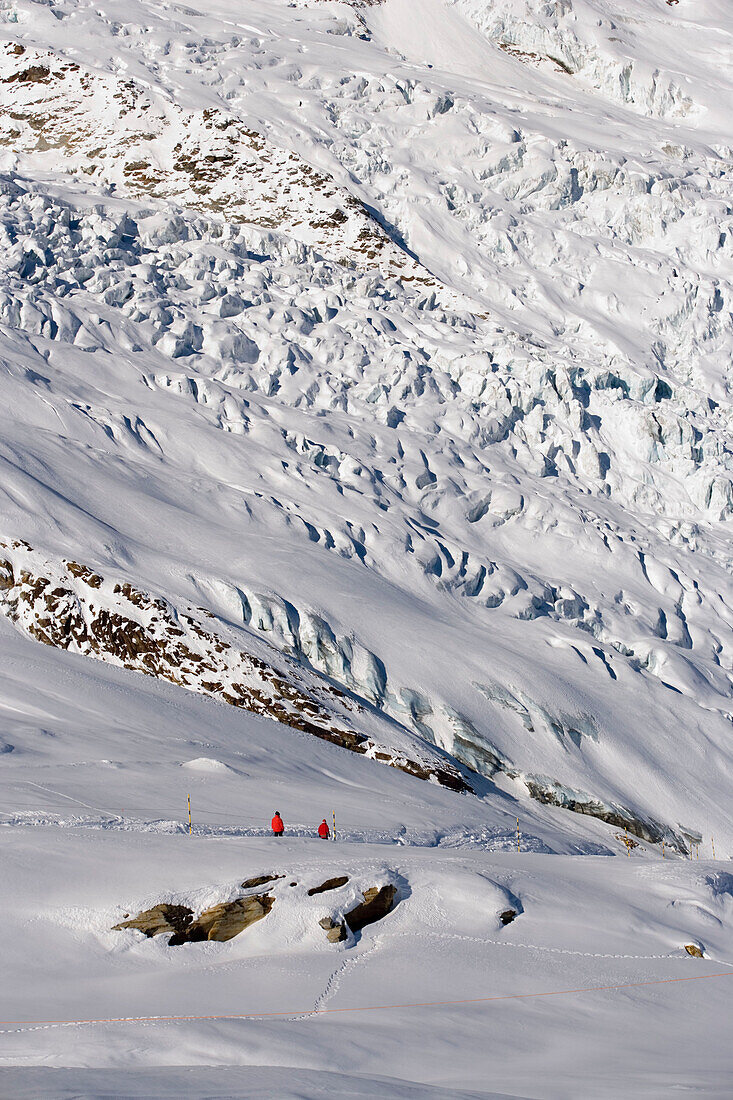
x,y
585,923
384,350
206,764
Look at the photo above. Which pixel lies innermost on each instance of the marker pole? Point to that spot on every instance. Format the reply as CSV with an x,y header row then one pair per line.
x,y
519,849
189,815
333,831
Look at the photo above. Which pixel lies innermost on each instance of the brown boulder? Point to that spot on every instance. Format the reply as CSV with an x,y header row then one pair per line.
x,y
225,921
164,918
377,903
329,884
259,880
335,930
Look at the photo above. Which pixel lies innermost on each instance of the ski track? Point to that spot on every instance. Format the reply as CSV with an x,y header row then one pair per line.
x,y
68,797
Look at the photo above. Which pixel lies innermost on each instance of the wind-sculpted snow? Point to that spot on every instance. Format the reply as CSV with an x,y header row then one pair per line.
x,y
490,498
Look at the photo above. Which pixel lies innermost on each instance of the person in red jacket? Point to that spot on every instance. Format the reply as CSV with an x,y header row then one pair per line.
x,y
277,824
323,830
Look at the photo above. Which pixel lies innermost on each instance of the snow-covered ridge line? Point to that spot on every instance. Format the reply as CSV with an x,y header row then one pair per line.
x,y
69,606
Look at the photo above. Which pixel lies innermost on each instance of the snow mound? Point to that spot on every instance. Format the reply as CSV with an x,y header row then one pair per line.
x,y
206,764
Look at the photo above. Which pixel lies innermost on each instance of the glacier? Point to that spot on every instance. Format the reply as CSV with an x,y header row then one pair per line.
x,y
381,352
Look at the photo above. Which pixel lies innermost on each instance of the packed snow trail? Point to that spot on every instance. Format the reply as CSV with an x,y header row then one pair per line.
x,y
491,840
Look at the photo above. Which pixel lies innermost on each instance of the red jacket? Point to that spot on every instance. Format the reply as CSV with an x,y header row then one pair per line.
x,y
277,824
323,830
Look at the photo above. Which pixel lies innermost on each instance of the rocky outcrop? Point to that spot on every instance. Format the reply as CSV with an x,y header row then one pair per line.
x,y
227,919
695,950
204,159
378,901
329,884
220,922
550,793
259,880
69,606
335,930
163,919
224,922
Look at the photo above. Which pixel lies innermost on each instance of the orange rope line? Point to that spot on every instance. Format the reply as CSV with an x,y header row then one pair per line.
x,y
361,1008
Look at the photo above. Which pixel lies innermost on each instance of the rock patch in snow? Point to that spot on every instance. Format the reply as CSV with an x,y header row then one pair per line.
x,y
378,902
695,950
212,161
260,880
69,606
162,919
329,884
220,922
224,922
335,930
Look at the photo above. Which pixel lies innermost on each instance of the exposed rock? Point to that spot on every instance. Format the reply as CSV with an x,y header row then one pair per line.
x,y
335,930
169,919
377,903
452,780
219,164
694,950
68,606
259,880
507,916
220,922
550,793
225,921
329,884
627,840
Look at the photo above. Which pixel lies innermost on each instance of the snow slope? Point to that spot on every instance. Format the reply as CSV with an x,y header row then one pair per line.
x,y
79,867
367,366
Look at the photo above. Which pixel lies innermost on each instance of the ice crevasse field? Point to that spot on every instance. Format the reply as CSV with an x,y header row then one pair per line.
x,y
365,454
